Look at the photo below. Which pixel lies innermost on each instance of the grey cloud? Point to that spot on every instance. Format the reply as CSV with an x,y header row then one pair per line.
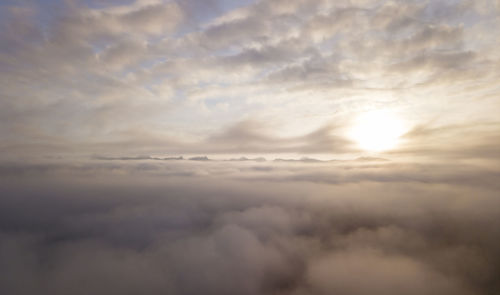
x,y
248,136
437,61
154,18
459,176
324,26
136,233
123,54
259,159
243,133
320,71
381,273
244,137
476,141
325,139
394,16
138,158
92,72
234,33
435,37
281,53
200,158
303,160
313,160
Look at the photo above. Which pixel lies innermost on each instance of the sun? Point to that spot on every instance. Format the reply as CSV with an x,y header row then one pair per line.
x,y
377,131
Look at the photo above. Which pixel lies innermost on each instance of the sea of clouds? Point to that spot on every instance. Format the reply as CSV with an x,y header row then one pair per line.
x,y
248,227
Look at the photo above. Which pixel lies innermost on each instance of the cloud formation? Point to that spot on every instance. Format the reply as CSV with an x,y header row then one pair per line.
x,y
218,228
184,71
205,147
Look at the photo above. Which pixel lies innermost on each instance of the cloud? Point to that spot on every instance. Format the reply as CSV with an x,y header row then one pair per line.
x,y
98,99
377,272
259,159
88,71
476,141
252,136
124,226
137,158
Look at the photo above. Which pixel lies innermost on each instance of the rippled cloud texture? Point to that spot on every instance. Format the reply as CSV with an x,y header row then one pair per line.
x,y
204,147
189,76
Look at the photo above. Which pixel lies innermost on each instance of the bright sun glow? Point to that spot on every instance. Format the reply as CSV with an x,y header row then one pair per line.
x,y
377,131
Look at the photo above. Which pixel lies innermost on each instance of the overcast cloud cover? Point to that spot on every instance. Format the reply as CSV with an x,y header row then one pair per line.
x,y
203,147
249,228
192,76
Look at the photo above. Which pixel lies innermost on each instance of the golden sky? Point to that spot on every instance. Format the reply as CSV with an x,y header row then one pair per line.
x,y
249,147
329,78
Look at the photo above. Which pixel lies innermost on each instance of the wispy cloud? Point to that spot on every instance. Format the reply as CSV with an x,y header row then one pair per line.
x,y
206,147
87,71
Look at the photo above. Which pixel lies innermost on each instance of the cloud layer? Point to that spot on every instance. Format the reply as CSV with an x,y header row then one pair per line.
x,y
185,227
168,76
203,147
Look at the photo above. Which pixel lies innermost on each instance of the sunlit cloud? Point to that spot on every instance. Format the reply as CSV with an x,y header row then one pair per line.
x,y
187,70
300,147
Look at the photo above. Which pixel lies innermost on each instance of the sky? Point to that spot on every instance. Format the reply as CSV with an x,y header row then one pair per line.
x,y
295,147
